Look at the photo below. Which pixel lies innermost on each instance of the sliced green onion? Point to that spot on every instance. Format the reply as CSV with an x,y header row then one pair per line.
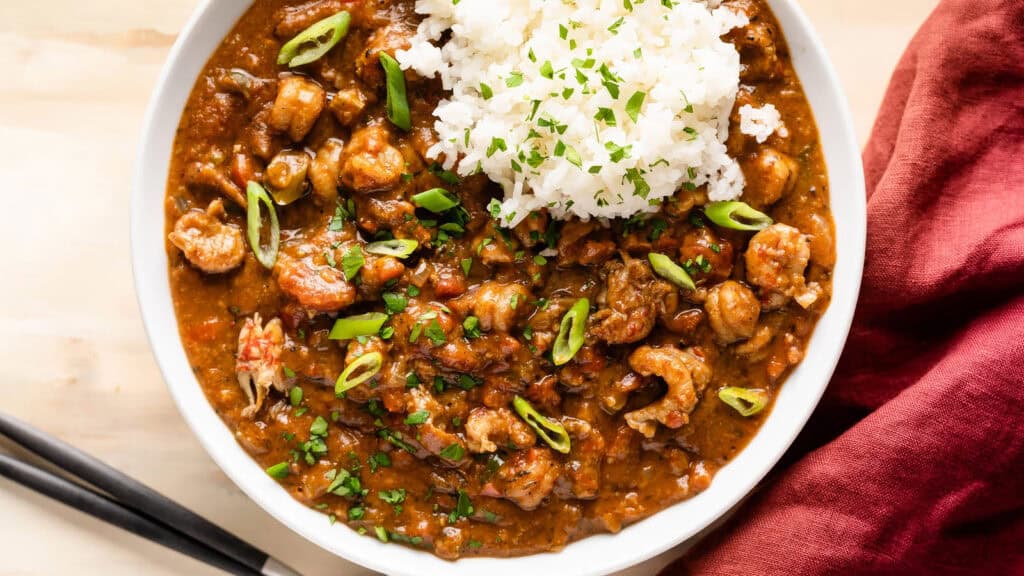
x,y
737,216
669,270
255,195
437,200
397,107
746,401
367,365
570,333
315,41
549,430
279,471
396,248
354,326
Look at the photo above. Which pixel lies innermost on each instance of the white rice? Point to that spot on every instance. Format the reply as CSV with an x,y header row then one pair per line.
x,y
761,122
670,51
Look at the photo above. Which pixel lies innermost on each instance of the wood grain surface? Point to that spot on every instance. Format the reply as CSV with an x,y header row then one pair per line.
x,y
74,360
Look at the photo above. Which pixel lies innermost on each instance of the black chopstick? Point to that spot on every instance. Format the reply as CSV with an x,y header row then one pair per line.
x,y
134,495
101,507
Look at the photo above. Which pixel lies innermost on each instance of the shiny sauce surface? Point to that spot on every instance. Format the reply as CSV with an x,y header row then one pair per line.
x,y
371,458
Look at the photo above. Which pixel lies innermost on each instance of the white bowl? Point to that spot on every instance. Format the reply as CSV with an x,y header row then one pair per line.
x,y
594,555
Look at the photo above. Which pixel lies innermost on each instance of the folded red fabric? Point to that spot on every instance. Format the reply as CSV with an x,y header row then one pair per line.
x,y
914,461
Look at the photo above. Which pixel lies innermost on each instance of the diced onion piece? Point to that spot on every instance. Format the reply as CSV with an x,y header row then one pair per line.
x,y
397,106
367,324
737,216
437,200
570,333
256,195
396,248
551,431
746,401
313,42
366,366
664,266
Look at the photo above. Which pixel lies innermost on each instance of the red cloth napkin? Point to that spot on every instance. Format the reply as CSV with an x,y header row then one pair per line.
x,y
914,461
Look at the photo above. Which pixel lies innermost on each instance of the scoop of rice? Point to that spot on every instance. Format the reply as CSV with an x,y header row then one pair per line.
x,y
761,122
598,108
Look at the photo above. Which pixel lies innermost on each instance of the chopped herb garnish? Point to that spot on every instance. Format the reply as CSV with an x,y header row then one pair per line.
x,y
414,334
352,262
606,115
463,508
514,79
394,302
635,103
496,144
396,496
471,327
658,227
295,395
467,265
417,418
412,380
467,382
318,427
435,333
279,470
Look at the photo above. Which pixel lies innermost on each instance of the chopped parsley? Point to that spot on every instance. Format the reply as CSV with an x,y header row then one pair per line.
x,y
412,380
546,70
378,460
352,262
658,227
396,496
635,103
463,508
606,115
417,418
394,302
435,333
278,471
467,382
318,427
471,327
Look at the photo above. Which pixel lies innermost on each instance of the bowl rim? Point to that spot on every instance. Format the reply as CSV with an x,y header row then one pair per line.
x,y
598,554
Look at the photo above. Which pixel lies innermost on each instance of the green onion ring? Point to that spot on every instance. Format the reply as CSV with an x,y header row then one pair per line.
x,y
294,54
437,200
255,195
551,431
669,270
396,248
369,364
746,401
737,216
397,106
570,333
368,324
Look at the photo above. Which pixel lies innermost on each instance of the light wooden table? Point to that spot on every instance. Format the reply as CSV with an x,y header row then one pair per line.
x,y
74,359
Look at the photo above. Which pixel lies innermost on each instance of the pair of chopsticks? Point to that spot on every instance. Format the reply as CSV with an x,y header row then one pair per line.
x,y
128,504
